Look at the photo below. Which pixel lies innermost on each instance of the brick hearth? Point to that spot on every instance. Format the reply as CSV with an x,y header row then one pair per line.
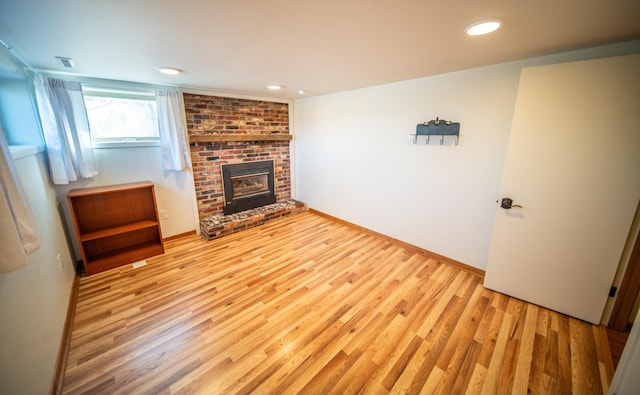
x,y
222,225
256,124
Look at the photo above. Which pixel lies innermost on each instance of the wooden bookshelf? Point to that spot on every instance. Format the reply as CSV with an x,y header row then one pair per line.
x,y
116,225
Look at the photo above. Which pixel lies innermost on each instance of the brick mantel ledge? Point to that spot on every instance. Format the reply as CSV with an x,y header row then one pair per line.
x,y
205,138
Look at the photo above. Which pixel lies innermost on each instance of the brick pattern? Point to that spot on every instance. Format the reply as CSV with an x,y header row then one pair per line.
x,y
207,159
216,115
222,115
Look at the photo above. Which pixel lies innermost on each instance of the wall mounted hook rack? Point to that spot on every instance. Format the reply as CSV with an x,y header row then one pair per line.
x,y
437,127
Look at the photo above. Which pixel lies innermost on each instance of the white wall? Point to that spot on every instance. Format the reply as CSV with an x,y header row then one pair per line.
x,y
175,192
34,299
354,157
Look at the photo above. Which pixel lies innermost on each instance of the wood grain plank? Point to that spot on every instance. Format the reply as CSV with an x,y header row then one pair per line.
x,y
525,353
585,372
490,385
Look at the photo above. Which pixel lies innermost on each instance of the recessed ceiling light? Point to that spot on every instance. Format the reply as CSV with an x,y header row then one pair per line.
x,y
483,27
169,70
301,91
274,87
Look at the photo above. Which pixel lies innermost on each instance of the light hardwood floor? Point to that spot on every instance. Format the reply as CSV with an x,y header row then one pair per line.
x,y
310,305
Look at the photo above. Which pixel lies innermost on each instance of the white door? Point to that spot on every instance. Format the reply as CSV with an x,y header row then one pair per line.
x,y
573,163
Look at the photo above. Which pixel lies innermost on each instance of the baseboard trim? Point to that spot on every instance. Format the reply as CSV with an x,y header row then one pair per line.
x,y
411,247
65,341
179,235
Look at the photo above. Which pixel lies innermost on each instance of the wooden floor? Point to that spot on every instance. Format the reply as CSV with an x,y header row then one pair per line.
x,y
617,341
310,305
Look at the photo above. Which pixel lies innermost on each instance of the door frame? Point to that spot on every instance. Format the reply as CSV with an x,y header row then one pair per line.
x,y
628,292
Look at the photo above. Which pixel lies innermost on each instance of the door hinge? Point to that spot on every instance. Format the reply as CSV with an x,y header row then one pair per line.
x,y
612,291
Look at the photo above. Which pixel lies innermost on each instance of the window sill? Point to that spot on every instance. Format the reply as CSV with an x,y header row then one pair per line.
x,y
126,144
21,151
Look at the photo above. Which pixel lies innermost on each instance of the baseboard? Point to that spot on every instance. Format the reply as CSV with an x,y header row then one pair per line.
x,y
179,235
65,341
411,247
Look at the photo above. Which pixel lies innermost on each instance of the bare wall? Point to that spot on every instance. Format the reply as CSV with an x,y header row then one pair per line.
x,y
355,159
34,299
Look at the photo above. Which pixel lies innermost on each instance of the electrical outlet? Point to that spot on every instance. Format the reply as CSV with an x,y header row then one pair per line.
x,y
164,214
60,263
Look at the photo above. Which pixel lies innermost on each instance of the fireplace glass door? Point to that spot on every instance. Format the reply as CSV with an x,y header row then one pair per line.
x,y
251,185
247,185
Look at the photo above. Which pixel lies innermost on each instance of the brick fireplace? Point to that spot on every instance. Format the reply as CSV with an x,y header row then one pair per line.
x,y
224,131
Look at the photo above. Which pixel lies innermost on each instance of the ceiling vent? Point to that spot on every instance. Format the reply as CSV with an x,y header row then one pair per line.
x,y
65,62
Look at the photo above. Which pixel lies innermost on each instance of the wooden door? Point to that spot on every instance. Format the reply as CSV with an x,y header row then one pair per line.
x,y
573,164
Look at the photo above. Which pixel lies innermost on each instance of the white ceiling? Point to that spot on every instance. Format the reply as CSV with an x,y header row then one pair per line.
x,y
322,46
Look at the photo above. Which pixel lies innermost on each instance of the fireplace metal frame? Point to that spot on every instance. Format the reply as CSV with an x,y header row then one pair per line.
x,y
234,205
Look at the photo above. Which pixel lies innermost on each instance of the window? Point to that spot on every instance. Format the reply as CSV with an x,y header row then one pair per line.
x,y
121,118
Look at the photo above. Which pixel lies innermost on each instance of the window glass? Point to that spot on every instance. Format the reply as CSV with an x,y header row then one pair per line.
x,y
118,117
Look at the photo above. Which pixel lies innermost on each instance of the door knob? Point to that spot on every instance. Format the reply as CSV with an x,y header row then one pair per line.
x,y
507,204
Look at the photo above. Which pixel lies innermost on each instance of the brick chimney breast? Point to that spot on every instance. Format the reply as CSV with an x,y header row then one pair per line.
x,y
213,115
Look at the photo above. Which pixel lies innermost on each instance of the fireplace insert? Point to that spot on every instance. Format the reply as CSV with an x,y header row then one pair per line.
x,y
247,185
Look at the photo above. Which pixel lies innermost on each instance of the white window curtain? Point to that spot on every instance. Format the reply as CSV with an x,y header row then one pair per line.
x,y
66,129
175,152
18,230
